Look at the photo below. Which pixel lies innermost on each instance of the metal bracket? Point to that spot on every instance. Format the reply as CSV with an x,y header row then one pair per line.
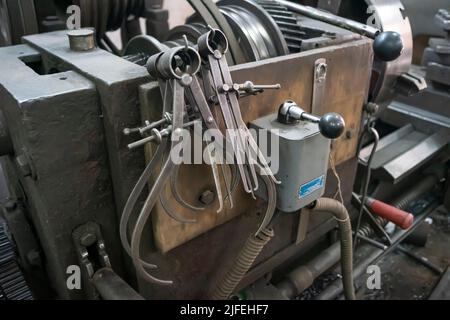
x,y
409,84
89,236
319,86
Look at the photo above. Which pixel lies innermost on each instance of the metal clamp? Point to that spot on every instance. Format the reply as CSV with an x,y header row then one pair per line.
x,y
88,236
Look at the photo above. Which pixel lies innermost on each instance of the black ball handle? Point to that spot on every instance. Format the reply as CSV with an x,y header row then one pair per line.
x,y
388,46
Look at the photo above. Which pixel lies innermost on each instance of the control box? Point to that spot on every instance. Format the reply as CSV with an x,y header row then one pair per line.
x,y
298,154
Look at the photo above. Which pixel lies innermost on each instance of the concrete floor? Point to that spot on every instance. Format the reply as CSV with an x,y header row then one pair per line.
x,y
402,278
406,279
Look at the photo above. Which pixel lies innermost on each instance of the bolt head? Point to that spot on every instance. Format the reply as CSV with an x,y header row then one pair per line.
x,y
88,239
207,197
225,88
372,108
178,132
321,72
349,134
186,80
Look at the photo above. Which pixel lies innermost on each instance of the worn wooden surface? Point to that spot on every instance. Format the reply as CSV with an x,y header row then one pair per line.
x,y
346,90
349,69
193,181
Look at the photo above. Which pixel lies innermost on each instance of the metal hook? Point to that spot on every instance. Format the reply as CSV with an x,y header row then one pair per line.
x,y
186,42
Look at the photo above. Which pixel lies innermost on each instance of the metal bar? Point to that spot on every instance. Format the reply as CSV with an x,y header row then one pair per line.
x,y
422,260
229,121
327,17
373,242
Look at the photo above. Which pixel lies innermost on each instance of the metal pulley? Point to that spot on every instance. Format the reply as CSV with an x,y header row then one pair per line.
x,y
388,16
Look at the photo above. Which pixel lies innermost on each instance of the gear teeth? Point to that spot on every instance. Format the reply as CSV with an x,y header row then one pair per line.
x,y
287,22
12,283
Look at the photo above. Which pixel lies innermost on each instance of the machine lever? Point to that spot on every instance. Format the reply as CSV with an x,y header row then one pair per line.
x,y
331,125
250,87
388,46
400,218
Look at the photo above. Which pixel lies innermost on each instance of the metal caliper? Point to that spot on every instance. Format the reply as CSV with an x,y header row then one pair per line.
x,y
176,70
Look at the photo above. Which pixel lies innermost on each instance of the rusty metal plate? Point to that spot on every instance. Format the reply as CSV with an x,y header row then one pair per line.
x,y
345,93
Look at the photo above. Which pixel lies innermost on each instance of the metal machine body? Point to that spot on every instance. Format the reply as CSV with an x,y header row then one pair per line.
x,y
194,239
112,89
80,125
423,118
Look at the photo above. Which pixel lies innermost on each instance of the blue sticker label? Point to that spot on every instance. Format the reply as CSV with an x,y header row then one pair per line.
x,y
310,187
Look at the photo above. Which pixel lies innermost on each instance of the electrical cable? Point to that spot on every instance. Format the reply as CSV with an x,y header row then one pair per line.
x,y
365,186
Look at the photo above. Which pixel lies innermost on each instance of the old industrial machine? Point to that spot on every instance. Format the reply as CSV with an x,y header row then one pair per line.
x,y
95,204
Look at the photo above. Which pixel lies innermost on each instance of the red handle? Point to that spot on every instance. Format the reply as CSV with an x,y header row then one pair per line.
x,y
399,217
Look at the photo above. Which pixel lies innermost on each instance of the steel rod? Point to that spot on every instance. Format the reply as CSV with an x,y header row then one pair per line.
x,y
330,18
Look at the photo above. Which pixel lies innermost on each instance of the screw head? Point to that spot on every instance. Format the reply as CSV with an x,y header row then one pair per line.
x,y
349,134
225,88
178,132
321,72
372,108
88,239
207,197
186,80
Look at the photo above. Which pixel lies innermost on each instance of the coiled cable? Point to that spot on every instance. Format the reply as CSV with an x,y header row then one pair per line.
x,y
251,250
345,231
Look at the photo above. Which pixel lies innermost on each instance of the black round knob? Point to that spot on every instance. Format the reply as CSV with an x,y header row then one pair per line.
x,y
332,125
388,46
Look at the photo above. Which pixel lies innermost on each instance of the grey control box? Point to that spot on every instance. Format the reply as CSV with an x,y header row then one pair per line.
x,y
302,154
